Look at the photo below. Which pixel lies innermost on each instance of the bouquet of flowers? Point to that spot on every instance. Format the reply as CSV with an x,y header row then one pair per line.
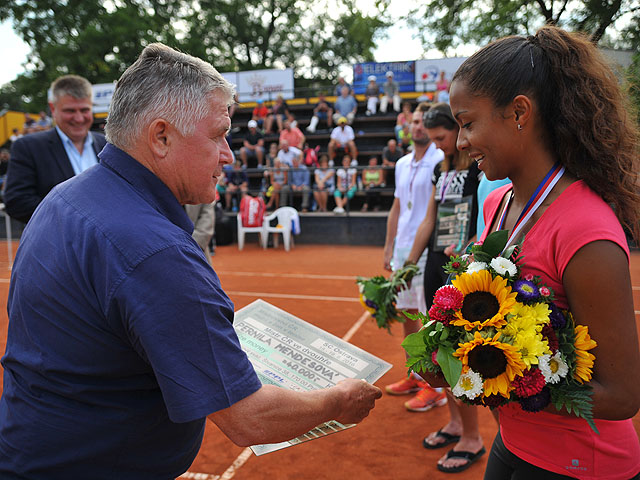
x,y
497,336
378,295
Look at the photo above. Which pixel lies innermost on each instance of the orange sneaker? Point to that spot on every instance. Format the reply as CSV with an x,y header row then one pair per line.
x,y
405,386
426,399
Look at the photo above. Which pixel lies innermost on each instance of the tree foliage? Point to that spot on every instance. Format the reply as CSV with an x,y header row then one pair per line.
x,y
449,23
100,39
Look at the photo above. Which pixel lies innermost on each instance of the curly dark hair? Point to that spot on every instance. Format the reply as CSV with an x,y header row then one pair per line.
x,y
585,115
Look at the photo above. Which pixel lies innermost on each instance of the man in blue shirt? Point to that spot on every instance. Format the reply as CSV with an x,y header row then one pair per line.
x,y
345,106
120,338
299,177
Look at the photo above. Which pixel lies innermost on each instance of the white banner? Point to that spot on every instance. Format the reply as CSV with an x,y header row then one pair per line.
x,y
263,84
102,93
428,72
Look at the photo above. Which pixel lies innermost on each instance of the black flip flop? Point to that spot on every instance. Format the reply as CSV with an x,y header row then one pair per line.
x,y
469,456
448,440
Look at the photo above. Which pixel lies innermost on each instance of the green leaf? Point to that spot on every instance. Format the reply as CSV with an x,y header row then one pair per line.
x,y
414,344
450,365
495,242
482,257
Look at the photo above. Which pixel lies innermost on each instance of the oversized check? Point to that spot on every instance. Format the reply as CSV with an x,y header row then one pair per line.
x,y
291,353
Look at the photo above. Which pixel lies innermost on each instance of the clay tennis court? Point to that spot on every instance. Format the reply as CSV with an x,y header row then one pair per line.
x,y
317,284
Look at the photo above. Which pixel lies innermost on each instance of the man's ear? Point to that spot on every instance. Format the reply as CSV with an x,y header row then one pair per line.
x,y
522,108
160,135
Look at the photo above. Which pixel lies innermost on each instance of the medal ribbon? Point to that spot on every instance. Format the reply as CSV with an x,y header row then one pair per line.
x,y
538,196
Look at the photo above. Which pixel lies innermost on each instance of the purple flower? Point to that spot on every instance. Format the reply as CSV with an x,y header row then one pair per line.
x,y
370,304
556,317
538,402
527,290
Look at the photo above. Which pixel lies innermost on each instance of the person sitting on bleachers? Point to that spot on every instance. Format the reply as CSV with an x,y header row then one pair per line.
x,y
372,92
391,92
341,83
279,112
260,113
406,142
298,184
43,122
237,184
346,184
345,106
253,147
324,183
322,111
390,155
372,182
277,177
287,153
272,154
403,118
342,137
292,134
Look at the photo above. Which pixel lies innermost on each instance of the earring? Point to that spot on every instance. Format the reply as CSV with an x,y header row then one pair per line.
x,y
519,127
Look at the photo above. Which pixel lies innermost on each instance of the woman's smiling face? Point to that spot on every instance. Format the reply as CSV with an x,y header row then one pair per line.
x,y
486,133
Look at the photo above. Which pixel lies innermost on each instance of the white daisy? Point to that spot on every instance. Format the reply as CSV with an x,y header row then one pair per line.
x,y
476,267
553,368
503,265
469,384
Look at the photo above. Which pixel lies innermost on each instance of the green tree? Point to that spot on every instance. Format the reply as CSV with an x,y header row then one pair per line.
x,y
450,23
98,39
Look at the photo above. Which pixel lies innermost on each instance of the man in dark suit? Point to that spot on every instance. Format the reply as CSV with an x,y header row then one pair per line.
x,y
40,161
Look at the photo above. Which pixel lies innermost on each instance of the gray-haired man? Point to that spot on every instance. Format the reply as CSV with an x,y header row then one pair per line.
x,y
122,343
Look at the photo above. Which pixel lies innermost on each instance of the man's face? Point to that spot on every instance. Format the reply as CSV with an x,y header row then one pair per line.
x,y
196,159
73,116
344,91
392,145
418,132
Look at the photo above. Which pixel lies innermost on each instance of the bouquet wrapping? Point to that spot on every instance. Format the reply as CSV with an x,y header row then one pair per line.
x,y
378,295
497,336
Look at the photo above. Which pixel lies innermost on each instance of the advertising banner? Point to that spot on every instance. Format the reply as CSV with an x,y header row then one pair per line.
x,y
262,84
102,93
403,73
427,72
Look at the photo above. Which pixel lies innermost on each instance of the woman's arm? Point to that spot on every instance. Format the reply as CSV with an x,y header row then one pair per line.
x,y
598,288
423,234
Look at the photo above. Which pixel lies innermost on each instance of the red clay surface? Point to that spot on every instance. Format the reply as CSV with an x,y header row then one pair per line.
x,y
388,444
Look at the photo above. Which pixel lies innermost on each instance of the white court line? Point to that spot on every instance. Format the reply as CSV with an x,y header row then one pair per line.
x,y
246,453
287,275
291,295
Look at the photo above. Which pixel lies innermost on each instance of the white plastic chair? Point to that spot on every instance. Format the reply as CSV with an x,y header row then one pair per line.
x,y
242,230
285,216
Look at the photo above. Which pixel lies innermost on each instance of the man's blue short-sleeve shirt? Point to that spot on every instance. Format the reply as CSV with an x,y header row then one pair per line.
x,y
120,337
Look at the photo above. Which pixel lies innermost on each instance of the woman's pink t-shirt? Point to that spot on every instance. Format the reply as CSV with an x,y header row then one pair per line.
x,y
562,444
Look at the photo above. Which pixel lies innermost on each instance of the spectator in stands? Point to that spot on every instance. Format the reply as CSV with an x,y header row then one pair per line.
x,y
342,138
442,88
42,160
30,125
323,111
298,185
406,141
43,122
260,114
372,182
345,106
272,154
121,342
325,183
292,135
237,186
391,93
279,112
390,155
204,219
278,176
346,184
4,164
287,153
15,135
253,147
372,94
341,83
403,118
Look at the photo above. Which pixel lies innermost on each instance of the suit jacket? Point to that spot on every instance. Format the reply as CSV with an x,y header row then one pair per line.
x,y
38,163
203,218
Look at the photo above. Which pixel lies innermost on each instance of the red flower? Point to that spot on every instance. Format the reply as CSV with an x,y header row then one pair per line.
x,y
531,383
455,264
439,316
434,354
550,334
448,298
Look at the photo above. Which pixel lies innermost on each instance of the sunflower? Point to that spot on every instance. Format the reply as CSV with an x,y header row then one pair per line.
x,y
584,359
368,305
498,363
486,301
